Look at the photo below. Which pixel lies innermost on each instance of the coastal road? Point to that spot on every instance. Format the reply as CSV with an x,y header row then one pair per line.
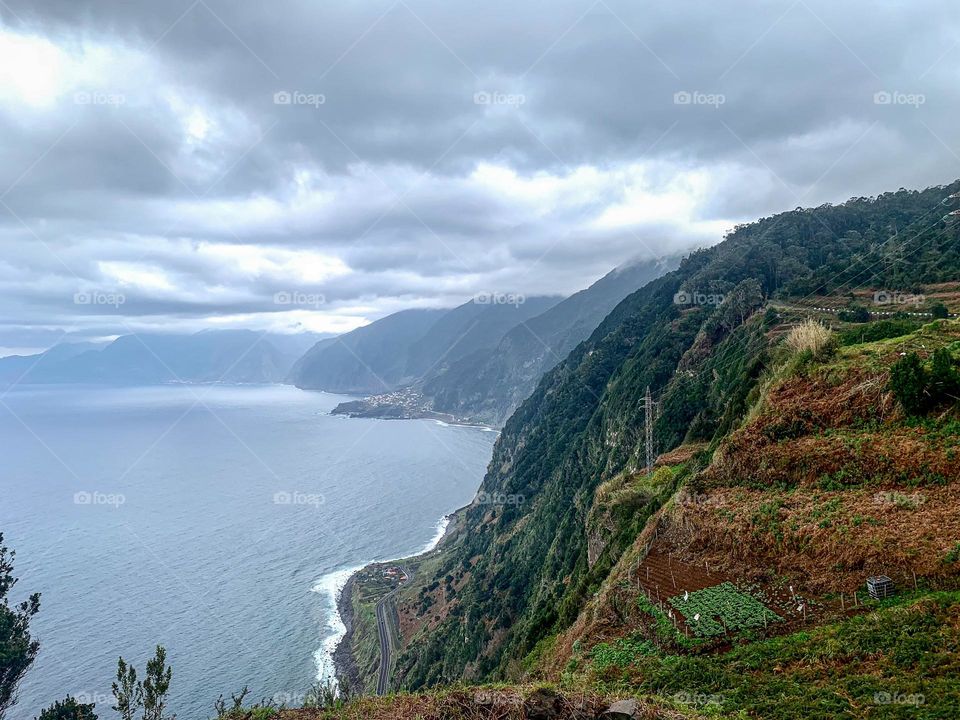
x,y
384,629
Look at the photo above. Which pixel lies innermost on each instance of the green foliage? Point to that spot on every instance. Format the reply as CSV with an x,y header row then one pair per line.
x,y
328,695
722,609
919,389
908,381
68,709
939,311
127,691
898,661
879,330
18,648
620,653
156,685
584,424
150,695
263,710
855,314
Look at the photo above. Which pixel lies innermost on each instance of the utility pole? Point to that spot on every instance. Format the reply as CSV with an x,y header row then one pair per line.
x,y
649,407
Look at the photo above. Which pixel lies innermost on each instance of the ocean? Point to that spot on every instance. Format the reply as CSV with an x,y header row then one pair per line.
x,y
217,521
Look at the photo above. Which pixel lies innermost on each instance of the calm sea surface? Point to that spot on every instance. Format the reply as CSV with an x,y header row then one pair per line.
x,y
217,521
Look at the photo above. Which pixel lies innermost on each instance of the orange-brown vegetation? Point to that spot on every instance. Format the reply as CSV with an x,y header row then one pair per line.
x,y
818,540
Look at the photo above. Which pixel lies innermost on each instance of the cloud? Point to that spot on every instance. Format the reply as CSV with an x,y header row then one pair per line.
x,y
202,157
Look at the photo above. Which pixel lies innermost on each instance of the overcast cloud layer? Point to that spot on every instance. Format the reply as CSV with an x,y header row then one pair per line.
x,y
292,165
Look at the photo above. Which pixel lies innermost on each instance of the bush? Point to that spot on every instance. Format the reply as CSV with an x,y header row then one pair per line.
x,y
878,330
939,311
908,381
920,390
149,695
68,709
855,314
811,337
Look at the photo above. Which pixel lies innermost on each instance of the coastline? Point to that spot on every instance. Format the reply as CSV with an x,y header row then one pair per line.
x,y
345,668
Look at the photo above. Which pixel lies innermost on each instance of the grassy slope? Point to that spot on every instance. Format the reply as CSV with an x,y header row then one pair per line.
x,y
897,660
900,658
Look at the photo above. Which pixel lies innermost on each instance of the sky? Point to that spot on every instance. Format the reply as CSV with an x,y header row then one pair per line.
x,y
303,165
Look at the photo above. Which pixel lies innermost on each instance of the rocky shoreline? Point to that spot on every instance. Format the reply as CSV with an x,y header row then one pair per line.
x,y
344,664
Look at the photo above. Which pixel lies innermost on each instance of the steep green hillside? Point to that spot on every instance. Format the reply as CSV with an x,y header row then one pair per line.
x,y
525,569
490,384
475,326
898,659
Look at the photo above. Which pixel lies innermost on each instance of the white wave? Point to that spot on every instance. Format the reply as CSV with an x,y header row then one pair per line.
x,y
330,587
438,535
441,423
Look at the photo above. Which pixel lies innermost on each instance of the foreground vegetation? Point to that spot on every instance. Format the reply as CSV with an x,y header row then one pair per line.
x,y
802,450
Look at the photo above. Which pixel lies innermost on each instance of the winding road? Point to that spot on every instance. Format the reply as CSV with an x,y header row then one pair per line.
x,y
384,630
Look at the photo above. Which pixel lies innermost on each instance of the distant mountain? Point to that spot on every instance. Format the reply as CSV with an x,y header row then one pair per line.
x,y
231,356
370,359
400,349
490,383
474,326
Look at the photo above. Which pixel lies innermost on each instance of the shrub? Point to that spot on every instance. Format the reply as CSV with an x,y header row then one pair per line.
x,y
939,311
855,314
908,381
919,390
878,330
17,648
810,336
150,695
68,709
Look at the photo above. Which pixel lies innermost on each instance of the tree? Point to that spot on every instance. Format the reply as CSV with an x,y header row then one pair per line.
x,y
18,649
944,379
151,694
127,691
855,314
908,380
919,389
68,709
156,685
939,311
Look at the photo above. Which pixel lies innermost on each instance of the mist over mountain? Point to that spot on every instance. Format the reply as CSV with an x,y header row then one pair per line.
x,y
399,349
478,361
370,359
490,383
228,356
